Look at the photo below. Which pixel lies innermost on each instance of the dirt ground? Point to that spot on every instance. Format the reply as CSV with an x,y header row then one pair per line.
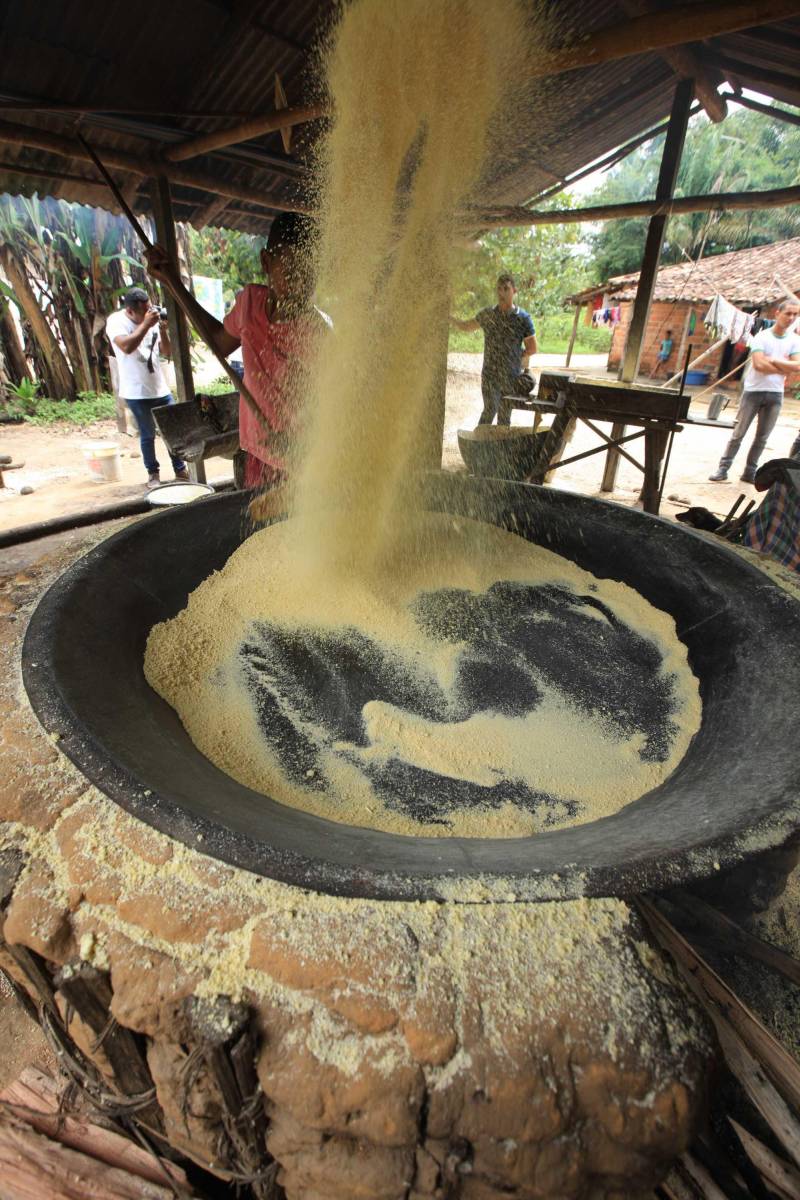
x,y
22,1040
55,467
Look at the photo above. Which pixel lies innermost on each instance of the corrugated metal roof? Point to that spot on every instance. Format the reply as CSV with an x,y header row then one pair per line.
x,y
220,57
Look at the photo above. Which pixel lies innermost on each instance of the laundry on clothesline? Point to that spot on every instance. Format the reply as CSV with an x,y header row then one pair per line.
x,y
724,319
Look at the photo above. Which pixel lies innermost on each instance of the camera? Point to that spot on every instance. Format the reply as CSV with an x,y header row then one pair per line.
x,y
162,312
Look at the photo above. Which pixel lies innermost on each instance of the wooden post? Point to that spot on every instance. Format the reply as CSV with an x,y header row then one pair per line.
x,y
668,174
178,329
573,335
670,162
684,338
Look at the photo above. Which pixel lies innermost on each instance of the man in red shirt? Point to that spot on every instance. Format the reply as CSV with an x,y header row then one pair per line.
x,y
276,326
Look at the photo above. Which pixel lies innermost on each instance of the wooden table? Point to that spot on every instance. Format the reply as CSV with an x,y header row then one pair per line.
x,y
657,414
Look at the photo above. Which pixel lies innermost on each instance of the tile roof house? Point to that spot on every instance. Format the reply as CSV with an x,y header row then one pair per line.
x,y
753,279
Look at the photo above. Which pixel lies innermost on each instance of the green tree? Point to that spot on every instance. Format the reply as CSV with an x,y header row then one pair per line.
x,y
548,262
228,255
747,152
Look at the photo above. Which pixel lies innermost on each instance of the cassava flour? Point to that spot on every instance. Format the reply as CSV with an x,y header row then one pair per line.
x,y
485,688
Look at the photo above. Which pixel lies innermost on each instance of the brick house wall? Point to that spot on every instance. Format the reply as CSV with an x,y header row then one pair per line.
x,y
664,315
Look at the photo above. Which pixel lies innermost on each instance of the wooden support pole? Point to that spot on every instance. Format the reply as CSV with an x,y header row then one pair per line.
x,y
505,218
609,480
682,347
670,162
668,174
768,110
573,334
178,329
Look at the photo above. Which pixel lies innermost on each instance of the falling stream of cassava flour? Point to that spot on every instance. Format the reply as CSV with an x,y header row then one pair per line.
x,y
420,92
368,662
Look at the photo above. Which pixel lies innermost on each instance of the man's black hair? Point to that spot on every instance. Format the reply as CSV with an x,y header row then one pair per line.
x,y
290,229
134,295
507,277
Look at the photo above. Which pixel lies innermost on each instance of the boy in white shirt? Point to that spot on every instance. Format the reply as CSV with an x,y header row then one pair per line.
x,y
775,357
138,338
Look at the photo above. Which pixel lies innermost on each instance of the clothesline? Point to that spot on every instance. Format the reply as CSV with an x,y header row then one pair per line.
x,y
724,319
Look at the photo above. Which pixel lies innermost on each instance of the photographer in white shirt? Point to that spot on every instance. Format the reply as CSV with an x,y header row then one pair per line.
x,y
138,336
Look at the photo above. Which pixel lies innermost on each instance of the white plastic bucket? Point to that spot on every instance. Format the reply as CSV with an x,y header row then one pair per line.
x,y
102,459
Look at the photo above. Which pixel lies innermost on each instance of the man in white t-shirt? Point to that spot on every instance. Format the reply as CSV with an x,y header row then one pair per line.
x,y
774,359
138,338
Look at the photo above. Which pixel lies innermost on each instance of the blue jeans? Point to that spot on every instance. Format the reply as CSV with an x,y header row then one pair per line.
x,y
143,416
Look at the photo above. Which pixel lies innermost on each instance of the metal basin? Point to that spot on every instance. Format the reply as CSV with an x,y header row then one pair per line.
x,y
736,790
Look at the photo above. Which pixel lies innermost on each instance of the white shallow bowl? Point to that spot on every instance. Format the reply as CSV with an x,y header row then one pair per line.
x,y
178,493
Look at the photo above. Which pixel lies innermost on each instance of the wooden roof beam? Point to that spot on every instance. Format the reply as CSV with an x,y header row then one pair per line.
x,y
776,82
253,127
768,110
502,218
56,143
655,31
685,63
209,212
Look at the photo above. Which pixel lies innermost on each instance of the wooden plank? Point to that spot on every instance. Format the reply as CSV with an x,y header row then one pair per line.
x,y
730,1013
616,444
573,335
701,1178
33,1166
589,397
566,462
769,1102
732,937
35,1098
778,1173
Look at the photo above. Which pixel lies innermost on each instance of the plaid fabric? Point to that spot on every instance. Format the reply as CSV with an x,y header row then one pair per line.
x,y
774,528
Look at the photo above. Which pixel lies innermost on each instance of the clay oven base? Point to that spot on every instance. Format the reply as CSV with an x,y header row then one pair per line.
x,y
404,1051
